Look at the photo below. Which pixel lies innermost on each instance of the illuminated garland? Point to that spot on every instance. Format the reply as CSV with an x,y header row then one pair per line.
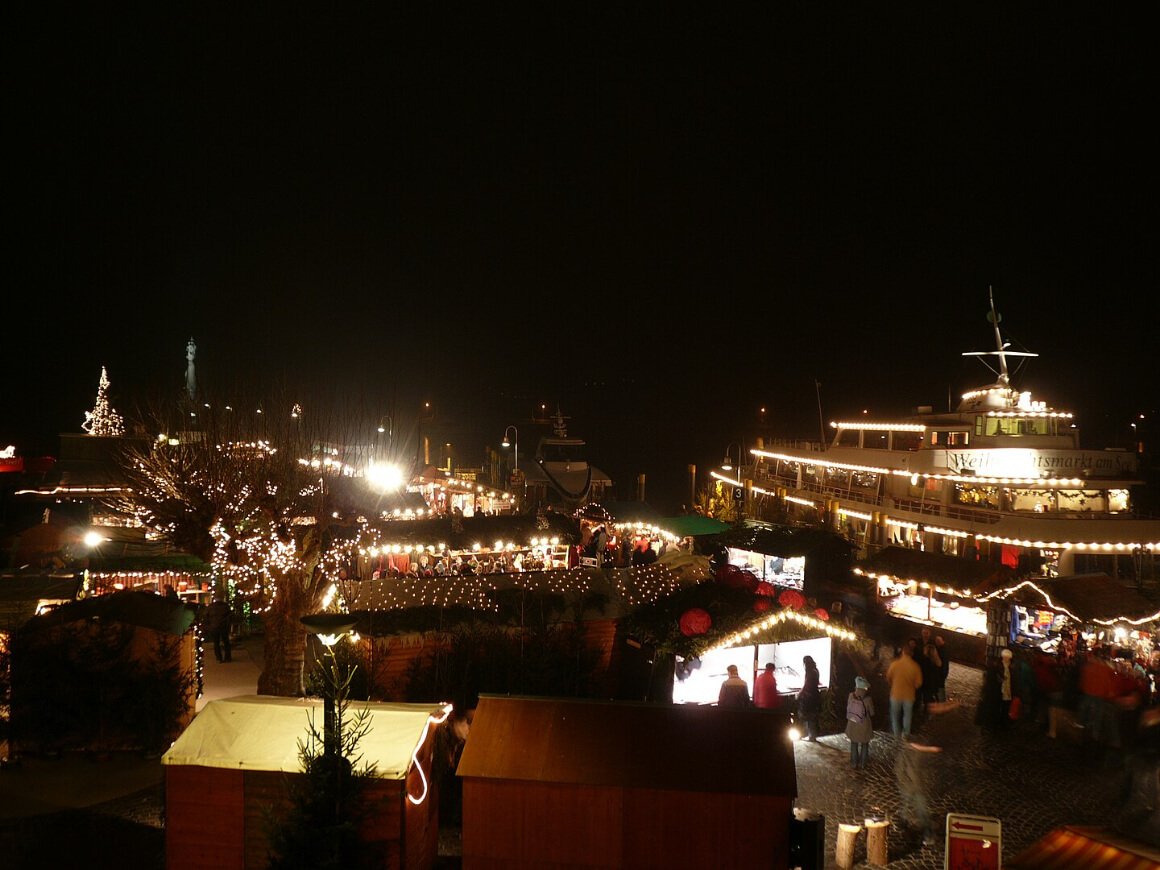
x,y
768,622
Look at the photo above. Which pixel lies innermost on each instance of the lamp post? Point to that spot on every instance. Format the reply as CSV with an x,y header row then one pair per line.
x,y
515,443
389,429
738,491
328,628
727,462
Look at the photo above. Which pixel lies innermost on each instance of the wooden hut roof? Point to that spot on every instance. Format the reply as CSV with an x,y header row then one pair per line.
x,y
1089,597
611,592
130,607
976,577
21,594
654,746
262,732
784,541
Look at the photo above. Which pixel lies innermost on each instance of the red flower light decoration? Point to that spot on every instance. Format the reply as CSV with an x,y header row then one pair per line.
x,y
695,621
764,588
822,613
761,605
792,599
726,573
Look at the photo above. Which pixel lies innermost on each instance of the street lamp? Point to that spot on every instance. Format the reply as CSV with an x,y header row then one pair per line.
x,y
389,430
515,442
727,462
328,628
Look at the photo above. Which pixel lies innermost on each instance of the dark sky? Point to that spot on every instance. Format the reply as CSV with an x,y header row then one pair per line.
x,y
660,221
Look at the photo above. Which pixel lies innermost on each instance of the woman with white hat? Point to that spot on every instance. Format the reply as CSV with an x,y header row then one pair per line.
x,y
859,722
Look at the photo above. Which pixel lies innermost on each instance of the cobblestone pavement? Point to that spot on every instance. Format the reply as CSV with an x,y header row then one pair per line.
x,y
1032,784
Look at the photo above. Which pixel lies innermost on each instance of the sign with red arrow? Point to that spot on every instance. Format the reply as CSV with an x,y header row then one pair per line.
x,y
973,843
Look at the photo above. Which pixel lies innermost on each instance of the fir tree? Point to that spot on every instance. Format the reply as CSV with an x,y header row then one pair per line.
x,y
327,807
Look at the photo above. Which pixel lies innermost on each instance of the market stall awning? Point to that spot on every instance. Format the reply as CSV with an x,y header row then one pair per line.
x,y
1088,597
1086,848
263,732
692,525
938,569
784,541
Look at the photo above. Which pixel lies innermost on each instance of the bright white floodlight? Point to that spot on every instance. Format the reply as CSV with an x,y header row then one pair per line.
x,y
385,476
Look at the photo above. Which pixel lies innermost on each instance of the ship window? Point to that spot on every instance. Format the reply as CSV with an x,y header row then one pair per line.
x,y
1037,500
906,440
977,496
838,477
949,439
847,438
1082,500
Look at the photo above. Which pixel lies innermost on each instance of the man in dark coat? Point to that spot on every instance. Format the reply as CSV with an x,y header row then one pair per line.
x,y
217,627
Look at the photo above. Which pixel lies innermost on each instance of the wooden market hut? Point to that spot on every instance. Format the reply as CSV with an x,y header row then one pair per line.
x,y
104,673
1094,602
236,759
562,782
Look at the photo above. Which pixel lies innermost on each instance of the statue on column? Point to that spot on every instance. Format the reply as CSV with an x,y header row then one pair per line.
x,y
190,377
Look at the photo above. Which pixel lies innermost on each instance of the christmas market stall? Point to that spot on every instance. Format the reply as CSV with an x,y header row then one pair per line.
x,y
571,783
934,588
105,673
1101,609
812,561
238,766
520,631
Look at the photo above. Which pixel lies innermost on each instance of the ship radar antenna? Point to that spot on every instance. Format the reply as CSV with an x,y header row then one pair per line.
x,y
1002,348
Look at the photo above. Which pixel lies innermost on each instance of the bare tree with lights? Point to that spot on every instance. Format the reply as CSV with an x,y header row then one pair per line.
x,y
261,497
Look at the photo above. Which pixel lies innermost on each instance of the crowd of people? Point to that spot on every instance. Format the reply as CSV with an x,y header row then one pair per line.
x,y
1106,694
1101,689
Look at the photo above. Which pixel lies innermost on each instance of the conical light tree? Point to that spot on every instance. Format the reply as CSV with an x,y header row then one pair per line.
x,y
103,420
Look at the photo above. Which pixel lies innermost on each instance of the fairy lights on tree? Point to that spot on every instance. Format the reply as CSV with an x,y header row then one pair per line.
x,y
276,525
103,420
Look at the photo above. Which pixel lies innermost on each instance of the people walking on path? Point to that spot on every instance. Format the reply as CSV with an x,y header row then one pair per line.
x,y
918,646
860,722
217,626
933,681
905,678
920,768
809,699
734,691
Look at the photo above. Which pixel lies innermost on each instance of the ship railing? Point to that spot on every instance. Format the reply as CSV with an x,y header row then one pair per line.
x,y
774,444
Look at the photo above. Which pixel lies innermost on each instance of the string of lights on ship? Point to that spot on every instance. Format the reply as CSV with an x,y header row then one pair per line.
x,y
915,477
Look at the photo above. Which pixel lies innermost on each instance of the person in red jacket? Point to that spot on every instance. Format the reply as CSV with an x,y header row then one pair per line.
x,y
765,689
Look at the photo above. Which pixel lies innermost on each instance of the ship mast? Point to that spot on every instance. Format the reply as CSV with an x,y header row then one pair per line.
x,y
1001,347
993,318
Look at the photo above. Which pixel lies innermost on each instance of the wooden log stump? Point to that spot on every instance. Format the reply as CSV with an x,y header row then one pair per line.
x,y
876,838
847,842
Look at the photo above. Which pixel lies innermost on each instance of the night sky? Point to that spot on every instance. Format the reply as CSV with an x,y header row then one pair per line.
x,y
659,221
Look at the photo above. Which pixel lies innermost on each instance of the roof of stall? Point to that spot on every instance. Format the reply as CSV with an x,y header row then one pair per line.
x,y
968,575
262,732
681,747
1088,597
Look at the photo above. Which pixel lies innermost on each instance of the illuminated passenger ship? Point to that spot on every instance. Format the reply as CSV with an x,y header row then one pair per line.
x,y
1003,472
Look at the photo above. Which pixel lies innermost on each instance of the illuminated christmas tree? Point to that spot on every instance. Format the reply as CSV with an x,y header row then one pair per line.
x,y
103,420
